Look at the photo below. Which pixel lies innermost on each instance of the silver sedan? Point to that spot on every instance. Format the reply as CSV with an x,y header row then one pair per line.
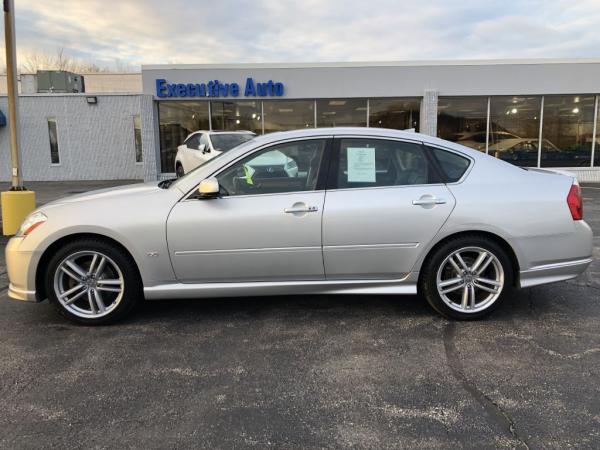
x,y
365,211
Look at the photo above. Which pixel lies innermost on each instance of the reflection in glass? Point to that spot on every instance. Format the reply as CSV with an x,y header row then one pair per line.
x,y
342,113
289,167
514,129
288,115
463,120
396,113
232,116
176,121
567,130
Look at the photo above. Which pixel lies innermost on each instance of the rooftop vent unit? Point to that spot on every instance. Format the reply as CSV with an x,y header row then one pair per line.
x,y
59,81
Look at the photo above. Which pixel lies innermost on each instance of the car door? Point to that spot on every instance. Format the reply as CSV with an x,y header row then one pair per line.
x,y
384,203
266,224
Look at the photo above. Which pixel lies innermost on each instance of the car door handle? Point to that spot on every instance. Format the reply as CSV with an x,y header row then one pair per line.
x,y
300,209
429,201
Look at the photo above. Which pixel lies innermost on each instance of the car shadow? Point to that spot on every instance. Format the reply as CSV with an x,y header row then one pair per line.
x,y
315,307
292,309
325,305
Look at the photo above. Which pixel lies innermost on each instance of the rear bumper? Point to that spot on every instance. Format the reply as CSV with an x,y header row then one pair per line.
x,y
20,267
551,273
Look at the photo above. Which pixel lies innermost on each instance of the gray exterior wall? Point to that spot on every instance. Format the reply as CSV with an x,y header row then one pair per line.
x,y
96,142
393,79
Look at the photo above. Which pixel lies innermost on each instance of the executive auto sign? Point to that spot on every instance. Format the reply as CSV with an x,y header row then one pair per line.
x,y
215,88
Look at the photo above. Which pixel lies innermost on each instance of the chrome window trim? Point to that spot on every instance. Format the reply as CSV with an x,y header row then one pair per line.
x,y
400,186
378,136
187,199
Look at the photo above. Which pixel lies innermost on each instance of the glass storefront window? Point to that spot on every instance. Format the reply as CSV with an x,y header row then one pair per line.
x,y
234,116
176,121
342,113
288,115
514,129
396,113
463,120
567,130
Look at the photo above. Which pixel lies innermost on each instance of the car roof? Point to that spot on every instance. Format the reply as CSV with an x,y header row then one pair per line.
x,y
222,132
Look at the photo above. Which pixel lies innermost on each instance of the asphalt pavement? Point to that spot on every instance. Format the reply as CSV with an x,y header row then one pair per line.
x,y
307,372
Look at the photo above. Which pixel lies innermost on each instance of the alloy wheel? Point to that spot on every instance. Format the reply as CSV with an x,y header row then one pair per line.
x,y
470,279
88,284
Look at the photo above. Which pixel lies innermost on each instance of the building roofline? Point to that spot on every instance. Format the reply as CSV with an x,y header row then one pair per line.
x,y
413,63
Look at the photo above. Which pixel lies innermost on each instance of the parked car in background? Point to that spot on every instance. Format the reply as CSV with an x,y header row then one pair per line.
x,y
200,146
477,139
524,152
330,210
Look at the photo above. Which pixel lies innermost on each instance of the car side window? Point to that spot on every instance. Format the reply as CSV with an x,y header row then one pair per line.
x,y
289,167
204,140
192,142
379,162
454,166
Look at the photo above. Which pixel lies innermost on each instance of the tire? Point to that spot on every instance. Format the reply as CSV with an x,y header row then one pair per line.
x,y
103,295
179,172
469,289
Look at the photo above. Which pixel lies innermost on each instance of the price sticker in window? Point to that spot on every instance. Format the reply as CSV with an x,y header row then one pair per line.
x,y
361,165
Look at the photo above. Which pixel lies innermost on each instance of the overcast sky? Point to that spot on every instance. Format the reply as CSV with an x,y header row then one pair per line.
x,y
226,31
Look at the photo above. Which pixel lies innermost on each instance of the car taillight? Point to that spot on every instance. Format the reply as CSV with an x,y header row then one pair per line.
x,y
575,203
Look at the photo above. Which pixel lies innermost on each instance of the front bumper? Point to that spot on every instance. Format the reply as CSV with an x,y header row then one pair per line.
x,y
20,267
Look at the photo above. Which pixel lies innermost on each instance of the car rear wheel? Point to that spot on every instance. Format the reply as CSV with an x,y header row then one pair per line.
x,y
91,281
179,171
467,278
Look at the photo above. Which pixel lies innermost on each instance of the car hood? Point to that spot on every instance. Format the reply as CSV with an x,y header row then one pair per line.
x,y
112,192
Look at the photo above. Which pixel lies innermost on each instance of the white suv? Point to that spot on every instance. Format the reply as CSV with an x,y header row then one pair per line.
x,y
200,146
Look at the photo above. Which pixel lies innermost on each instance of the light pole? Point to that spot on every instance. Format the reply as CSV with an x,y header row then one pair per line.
x,y
17,202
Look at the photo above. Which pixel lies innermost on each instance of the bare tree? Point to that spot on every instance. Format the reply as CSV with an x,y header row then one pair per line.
x,y
32,62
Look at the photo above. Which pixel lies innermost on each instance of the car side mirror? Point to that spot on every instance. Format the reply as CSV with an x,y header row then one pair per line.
x,y
202,147
209,188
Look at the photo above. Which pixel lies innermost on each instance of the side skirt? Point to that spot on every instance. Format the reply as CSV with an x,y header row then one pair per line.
x,y
403,286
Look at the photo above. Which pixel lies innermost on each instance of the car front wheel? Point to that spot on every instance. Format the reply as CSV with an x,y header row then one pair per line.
x,y
466,278
91,281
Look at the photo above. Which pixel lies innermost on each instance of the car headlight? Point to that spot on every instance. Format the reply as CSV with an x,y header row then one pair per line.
x,y
31,222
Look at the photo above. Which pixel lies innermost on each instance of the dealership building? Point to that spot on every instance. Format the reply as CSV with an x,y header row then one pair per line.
x,y
535,113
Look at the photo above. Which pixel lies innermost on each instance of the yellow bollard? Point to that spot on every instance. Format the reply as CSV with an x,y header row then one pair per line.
x,y
16,205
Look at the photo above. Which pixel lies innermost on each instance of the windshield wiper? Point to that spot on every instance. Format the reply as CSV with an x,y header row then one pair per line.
x,y
164,184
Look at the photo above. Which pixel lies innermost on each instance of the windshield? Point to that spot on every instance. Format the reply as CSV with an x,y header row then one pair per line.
x,y
225,142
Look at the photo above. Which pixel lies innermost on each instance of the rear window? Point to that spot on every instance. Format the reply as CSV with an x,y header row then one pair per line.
x,y
225,142
454,166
